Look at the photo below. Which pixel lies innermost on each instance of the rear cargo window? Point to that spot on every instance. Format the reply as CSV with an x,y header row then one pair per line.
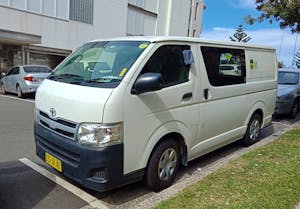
x,y
224,66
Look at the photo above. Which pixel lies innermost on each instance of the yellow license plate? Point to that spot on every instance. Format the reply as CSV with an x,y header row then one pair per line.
x,y
53,162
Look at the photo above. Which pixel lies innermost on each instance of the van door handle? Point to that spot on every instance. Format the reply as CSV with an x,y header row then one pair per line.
x,y
206,94
187,95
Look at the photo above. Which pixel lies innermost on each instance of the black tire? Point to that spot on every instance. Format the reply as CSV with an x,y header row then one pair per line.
x,y
154,180
3,89
19,92
295,109
253,130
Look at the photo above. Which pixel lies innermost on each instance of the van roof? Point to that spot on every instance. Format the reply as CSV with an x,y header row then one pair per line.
x,y
156,39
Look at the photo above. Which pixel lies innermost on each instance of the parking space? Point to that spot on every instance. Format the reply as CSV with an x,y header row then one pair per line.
x,y
24,188
26,182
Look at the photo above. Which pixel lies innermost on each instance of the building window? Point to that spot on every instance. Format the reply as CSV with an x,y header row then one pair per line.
x,y
49,7
82,11
224,66
4,2
141,17
34,6
135,20
52,8
19,4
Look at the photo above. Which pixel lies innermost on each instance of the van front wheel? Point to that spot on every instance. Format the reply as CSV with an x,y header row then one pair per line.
x,y
253,130
163,165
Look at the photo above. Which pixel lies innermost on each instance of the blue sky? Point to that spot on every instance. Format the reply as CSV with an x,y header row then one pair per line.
x,y
222,17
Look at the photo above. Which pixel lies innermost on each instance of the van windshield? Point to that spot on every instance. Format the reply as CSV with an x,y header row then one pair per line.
x,y
99,64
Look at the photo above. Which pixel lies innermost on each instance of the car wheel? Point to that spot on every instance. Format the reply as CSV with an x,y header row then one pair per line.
x,y
163,165
3,89
253,130
295,109
19,92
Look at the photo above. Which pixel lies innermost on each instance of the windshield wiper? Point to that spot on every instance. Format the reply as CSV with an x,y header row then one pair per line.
x,y
61,76
103,80
287,83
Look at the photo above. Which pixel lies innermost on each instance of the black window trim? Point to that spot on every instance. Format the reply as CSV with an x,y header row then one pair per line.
x,y
242,78
169,44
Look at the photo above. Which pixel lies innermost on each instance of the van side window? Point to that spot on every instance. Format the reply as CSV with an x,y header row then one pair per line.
x,y
169,61
224,66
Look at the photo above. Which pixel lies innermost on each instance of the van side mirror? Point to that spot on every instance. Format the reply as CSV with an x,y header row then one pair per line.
x,y
2,75
147,82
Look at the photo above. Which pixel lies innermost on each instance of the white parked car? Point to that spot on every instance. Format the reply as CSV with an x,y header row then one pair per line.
x,y
24,79
230,69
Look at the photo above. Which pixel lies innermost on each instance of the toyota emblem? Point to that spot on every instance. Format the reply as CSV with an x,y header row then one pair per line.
x,y
53,112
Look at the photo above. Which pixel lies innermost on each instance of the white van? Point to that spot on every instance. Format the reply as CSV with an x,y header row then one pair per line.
x,y
121,110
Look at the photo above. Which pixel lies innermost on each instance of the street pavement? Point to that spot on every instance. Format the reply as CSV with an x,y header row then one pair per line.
x,y
25,187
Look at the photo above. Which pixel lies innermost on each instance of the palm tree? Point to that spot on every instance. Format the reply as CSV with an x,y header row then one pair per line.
x,y
297,59
240,35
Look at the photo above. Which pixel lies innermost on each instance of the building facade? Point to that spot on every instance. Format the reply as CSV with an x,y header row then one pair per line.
x,y
46,31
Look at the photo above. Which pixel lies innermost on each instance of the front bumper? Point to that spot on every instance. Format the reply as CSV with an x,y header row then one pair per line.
x,y
99,169
29,87
283,107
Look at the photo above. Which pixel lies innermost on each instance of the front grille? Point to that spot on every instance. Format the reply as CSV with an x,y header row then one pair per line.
x,y
59,151
59,126
63,122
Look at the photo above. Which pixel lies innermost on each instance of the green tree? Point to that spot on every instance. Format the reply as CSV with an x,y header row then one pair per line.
x,y
240,35
297,59
286,12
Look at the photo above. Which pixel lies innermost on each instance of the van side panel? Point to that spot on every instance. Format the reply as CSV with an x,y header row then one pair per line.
x,y
225,114
260,65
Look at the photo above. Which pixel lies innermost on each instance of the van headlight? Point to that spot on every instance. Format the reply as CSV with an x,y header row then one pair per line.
x,y
100,135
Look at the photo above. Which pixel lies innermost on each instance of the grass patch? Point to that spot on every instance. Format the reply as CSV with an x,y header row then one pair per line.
x,y
267,177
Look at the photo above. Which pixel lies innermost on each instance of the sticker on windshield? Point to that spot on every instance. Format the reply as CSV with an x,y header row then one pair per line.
x,y
123,71
143,46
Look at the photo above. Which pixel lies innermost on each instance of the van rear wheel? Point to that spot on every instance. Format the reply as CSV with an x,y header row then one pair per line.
x,y
253,130
163,165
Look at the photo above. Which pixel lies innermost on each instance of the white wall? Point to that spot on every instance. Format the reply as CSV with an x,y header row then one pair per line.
x,y
110,20
110,17
173,17
179,17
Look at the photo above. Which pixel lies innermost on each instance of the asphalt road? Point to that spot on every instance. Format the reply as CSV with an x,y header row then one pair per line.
x,y
24,188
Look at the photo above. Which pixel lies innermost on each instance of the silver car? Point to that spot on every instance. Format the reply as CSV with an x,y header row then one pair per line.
x,y
288,94
24,79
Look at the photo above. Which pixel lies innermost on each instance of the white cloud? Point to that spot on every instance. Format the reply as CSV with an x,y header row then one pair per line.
x,y
265,37
243,4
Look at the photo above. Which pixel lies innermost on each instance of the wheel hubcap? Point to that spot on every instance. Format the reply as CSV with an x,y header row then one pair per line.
x,y
167,164
19,91
254,129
